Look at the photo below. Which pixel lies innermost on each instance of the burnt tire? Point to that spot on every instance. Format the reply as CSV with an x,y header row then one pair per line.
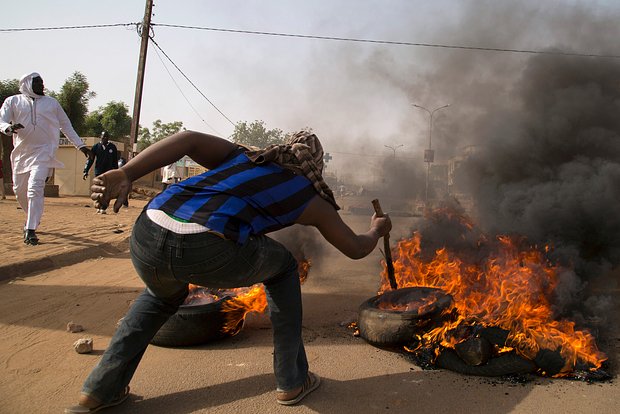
x,y
195,325
505,364
390,328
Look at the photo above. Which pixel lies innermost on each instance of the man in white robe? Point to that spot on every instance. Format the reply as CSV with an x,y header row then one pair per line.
x,y
35,121
170,175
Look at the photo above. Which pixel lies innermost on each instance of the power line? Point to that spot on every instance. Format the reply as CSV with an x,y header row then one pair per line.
x,y
388,42
90,26
333,38
188,79
184,96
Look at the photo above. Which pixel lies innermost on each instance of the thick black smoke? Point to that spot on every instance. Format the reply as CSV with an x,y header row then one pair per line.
x,y
551,170
546,129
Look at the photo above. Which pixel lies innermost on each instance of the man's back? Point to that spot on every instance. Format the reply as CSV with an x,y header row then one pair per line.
x,y
238,198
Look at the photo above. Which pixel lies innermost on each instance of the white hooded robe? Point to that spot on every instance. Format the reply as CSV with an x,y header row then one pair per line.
x,y
42,117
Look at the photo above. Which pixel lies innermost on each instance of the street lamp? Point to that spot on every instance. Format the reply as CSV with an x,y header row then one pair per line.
x,y
393,148
429,154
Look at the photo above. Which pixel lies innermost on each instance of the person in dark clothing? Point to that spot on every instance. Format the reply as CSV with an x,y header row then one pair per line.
x,y
107,159
211,230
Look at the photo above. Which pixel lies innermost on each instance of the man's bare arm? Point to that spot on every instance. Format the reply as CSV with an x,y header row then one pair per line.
x,y
207,150
326,219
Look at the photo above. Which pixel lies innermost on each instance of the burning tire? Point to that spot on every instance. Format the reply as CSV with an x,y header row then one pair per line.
x,y
195,325
394,318
506,364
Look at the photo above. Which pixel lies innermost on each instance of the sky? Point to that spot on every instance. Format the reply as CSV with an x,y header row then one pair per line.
x,y
356,96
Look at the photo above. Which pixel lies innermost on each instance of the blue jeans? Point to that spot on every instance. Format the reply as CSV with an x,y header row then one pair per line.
x,y
167,262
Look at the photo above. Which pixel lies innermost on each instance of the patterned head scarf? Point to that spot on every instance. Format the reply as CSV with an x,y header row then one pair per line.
x,y
303,154
25,85
308,142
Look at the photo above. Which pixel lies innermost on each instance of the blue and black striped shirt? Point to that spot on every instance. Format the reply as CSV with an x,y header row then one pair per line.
x,y
239,198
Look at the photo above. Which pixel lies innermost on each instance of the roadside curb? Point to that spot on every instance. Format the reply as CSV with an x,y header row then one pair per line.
x,y
34,266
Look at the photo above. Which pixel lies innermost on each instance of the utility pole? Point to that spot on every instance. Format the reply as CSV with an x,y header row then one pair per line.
x,y
144,34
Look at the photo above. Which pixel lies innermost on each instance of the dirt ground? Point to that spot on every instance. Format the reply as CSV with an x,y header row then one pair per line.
x,y
81,272
70,231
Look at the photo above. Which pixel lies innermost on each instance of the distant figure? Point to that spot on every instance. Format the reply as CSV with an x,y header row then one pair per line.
x,y
169,175
2,181
107,159
34,120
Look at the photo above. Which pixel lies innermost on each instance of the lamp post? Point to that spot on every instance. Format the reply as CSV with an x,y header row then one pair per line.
x,y
393,148
429,154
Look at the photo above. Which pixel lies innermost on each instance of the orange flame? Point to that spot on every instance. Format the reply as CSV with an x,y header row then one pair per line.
x,y
237,308
510,289
303,266
252,299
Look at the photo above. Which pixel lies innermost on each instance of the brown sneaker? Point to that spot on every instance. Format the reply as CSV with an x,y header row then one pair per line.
x,y
294,396
90,405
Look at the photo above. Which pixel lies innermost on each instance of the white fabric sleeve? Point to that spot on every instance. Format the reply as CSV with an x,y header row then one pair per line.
x,y
67,128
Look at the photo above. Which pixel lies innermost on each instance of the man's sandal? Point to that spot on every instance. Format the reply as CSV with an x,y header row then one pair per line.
x,y
80,409
30,238
293,397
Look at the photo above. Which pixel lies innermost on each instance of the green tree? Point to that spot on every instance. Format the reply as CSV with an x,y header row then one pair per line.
x,y
256,134
73,97
92,123
113,118
8,88
159,131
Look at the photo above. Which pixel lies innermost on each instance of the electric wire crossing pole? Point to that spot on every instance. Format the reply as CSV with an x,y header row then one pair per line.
x,y
145,30
429,154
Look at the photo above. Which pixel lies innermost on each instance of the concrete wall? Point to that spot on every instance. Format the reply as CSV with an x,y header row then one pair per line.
x,y
69,179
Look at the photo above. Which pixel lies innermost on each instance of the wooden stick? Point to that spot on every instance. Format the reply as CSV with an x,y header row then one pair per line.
x,y
386,248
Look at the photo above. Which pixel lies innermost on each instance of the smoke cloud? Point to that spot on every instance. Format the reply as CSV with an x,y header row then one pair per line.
x,y
547,159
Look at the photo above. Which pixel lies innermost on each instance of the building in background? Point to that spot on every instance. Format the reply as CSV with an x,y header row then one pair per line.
x,y
190,167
